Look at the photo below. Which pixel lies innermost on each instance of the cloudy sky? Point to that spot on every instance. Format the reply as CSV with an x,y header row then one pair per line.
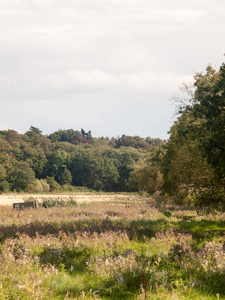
x,y
105,65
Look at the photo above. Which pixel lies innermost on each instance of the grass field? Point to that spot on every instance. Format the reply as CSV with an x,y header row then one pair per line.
x,y
128,247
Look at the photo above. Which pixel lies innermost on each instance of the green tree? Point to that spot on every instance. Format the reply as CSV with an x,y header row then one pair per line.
x,y
5,186
94,170
194,166
186,172
210,92
107,174
146,176
35,129
57,163
127,161
82,166
2,173
71,136
65,177
22,176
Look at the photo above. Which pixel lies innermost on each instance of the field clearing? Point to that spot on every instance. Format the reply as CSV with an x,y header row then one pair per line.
x,y
9,199
111,246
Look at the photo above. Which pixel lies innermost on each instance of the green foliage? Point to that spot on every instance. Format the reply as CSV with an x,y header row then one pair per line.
x,y
94,170
211,108
137,142
71,136
35,129
21,176
36,159
146,176
2,173
58,202
54,185
5,186
126,163
57,162
72,159
193,166
187,173
39,186
65,177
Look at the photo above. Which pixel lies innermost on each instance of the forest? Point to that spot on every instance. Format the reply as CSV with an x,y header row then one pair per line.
x,y
189,167
67,159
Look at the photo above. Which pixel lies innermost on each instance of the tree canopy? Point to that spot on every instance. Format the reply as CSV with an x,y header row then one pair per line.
x,y
69,158
194,163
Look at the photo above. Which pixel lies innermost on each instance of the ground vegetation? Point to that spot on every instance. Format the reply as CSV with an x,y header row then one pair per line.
x,y
130,247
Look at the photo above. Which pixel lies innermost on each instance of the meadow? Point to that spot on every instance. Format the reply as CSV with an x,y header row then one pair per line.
x,y
132,247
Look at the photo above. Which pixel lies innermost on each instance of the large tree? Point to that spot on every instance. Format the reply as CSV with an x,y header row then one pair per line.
x,y
210,108
194,165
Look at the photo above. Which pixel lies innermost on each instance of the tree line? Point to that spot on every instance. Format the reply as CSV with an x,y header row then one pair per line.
x,y
68,159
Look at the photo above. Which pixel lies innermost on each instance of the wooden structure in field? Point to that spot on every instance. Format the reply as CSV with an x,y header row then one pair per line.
x,y
24,205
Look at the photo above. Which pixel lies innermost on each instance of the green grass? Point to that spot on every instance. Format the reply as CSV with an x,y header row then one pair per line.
x,y
123,249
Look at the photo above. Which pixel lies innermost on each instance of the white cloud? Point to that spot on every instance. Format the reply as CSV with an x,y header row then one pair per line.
x,y
98,80
87,82
139,50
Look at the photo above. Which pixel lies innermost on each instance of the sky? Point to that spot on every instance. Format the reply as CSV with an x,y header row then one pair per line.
x,y
109,66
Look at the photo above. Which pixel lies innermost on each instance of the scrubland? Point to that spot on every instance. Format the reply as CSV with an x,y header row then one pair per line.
x,y
123,248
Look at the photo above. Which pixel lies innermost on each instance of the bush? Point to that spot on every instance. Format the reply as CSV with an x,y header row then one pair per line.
x,y
35,187
146,177
39,186
45,185
58,202
54,185
5,186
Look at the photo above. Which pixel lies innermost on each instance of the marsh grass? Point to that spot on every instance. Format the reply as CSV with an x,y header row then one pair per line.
x,y
122,249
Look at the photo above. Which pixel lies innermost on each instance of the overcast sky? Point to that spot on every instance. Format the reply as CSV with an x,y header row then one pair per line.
x,y
105,65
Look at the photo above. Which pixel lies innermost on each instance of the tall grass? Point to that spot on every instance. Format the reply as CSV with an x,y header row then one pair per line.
x,y
56,201
125,249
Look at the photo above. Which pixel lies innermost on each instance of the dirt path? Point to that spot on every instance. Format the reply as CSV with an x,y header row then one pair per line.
x,y
9,199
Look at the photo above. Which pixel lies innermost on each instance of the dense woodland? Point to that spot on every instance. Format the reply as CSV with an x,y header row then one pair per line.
x,y
68,159
189,167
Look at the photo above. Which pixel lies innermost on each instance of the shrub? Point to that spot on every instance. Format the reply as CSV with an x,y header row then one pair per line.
x,y
54,185
56,202
36,186
67,187
45,185
4,186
